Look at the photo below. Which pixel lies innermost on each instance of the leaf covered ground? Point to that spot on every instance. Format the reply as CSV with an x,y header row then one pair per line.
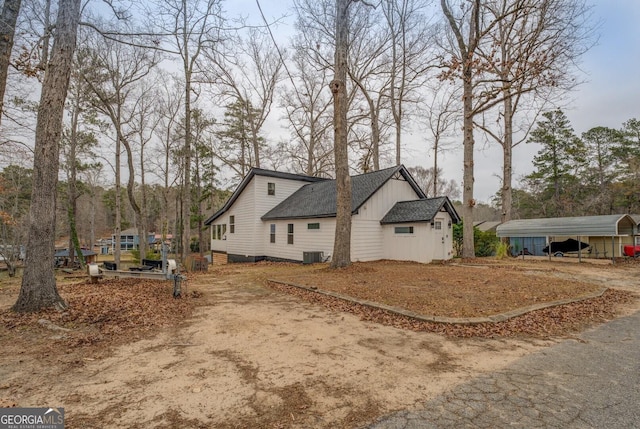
x,y
461,290
234,353
107,311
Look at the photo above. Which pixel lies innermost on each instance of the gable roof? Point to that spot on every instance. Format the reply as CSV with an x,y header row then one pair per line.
x,y
423,210
317,200
259,172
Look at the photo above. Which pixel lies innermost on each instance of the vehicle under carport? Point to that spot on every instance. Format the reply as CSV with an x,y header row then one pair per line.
x,y
605,234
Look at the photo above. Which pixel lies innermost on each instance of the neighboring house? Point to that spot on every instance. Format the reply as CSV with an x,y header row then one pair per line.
x,y
62,256
487,225
290,217
130,239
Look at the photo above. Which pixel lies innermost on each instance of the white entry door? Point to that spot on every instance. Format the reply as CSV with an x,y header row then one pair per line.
x,y
439,243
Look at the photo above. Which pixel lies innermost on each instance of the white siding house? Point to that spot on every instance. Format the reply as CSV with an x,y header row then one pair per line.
x,y
281,216
236,229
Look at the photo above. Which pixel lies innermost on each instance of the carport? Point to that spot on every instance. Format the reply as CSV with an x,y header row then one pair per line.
x,y
608,231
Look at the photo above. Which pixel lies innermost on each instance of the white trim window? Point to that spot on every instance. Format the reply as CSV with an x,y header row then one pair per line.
x,y
289,233
403,230
272,233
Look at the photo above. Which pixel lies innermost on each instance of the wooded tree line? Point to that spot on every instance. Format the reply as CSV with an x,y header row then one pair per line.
x,y
595,173
180,93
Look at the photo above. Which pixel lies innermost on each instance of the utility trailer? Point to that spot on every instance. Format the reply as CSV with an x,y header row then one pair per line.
x,y
168,271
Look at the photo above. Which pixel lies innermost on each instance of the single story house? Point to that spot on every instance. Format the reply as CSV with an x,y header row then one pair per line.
x,y
289,217
606,235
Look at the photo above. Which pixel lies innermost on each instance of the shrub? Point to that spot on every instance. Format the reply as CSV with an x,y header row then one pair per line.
x,y
502,250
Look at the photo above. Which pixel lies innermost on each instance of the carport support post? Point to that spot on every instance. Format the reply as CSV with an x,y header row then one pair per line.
x,y
613,249
579,250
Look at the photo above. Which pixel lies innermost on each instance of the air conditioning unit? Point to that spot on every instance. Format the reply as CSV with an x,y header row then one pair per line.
x,y
312,257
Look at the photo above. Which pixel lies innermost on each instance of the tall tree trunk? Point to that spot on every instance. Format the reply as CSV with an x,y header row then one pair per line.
x,y
466,50
72,211
8,19
142,239
38,290
342,243
507,151
92,216
144,227
435,166
468,248
186,194
165,201
117,230
198,191
255,138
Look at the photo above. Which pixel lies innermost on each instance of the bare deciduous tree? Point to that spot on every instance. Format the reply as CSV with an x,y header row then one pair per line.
x,y
115,74
531,53
426,177
307,111
38,289
247,75
169,108
8,20
409,40
189,27
441,115
342,243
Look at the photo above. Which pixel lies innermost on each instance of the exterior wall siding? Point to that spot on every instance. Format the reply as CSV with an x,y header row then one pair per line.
x,y
304,239
247,242
219,245
367,237
264,202
241,241
416,247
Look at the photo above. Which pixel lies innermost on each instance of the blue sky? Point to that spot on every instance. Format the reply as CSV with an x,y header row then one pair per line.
x,y
609,96
612,92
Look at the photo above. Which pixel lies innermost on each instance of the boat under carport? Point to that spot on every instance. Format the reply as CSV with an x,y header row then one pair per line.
x,y
606,232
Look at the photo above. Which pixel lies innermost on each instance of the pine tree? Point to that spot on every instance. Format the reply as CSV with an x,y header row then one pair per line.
x,y
557,163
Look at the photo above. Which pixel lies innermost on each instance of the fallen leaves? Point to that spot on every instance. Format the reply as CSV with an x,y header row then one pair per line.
x,y
459,291
108,310
443,290
553,321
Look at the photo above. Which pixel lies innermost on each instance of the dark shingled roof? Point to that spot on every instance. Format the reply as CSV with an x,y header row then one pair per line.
x,y
64,253
259,172
423,210
317,200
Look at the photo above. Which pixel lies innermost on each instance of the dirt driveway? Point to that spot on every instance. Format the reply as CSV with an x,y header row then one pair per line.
x,y
251,357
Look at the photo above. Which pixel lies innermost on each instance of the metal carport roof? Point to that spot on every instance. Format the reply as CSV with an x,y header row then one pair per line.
x,y
586,226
